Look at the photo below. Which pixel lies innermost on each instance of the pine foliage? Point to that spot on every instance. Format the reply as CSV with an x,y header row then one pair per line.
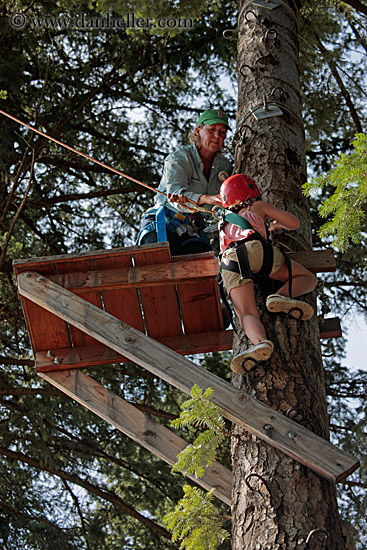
x,y
347,204
200,411
196,521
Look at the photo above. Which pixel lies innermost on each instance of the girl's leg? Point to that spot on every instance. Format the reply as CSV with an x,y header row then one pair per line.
x,y
244,304
303,280
243,300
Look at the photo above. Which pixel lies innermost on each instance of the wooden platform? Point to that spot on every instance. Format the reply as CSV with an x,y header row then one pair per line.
x,y
175,301
139,303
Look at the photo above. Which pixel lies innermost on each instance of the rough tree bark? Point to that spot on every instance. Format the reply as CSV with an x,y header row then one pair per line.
x,y
290,501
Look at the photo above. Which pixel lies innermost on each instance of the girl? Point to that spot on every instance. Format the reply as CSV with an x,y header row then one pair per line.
x,y
241,195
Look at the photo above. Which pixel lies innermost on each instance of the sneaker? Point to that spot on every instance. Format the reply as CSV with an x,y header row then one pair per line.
x,y
247,360
297,309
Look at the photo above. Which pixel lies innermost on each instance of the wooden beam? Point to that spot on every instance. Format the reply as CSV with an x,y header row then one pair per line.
x,y
137,425
36,263
98,354
330,328
315,260
274,428
136,277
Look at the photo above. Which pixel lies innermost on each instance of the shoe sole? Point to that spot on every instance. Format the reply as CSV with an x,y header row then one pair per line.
x,y
296,308
244,362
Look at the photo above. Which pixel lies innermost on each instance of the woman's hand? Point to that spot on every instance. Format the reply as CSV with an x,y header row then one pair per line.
x,y
180,199
210,199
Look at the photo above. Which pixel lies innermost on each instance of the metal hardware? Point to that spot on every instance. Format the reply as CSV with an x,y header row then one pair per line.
x,y
271,110
282,94
326,353
299,416
253,13
294,310
280,156
268,4
272,4
253,475
292,435
57,361
271,34
49,353
241,70
232,31
242,132
40,279
130,340
312,534
268,427
27,275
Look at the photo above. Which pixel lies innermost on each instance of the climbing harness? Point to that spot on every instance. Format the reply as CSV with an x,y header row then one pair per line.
x,y
183,228
243,266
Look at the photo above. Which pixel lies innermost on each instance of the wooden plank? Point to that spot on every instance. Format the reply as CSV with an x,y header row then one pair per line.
x,y
45,329
330,328
124,303
155,437
239,407
315,260
99,354
79,337
42,263
136,277
200,305
159,303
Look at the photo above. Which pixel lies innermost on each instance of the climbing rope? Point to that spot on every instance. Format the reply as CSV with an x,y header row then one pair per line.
x,y
194,208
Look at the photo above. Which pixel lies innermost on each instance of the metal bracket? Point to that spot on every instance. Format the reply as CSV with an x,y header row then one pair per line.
x,y
269,4
267,110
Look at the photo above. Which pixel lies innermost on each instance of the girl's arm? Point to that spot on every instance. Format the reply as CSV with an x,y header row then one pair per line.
x,y
281,218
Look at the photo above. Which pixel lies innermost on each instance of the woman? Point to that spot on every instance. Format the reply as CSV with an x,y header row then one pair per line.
x,y
190,176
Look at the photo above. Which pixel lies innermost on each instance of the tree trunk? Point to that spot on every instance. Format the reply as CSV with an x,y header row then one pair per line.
x,y
280,509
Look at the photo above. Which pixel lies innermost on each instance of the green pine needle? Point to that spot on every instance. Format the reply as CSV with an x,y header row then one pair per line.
x,y
196,521
347,204
200,411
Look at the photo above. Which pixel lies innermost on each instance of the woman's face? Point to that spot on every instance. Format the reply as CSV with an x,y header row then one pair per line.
x,y
212,137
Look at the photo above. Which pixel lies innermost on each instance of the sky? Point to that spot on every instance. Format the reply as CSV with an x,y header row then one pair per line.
x,y
356,347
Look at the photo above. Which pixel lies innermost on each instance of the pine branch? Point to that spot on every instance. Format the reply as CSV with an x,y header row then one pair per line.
x,y
196,521
200,411
357,5
91,488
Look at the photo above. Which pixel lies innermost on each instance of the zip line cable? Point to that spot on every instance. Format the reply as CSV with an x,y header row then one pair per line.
x,y
192,209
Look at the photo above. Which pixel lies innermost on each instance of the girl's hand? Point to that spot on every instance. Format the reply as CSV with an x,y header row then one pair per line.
x,y
275,226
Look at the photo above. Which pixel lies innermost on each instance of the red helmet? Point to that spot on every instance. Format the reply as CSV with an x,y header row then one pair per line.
x,y
238,188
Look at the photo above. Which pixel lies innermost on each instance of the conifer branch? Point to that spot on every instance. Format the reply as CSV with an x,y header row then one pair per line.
x,y
200,411
196,521
347,204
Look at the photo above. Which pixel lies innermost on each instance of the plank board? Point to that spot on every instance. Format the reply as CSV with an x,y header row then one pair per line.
x,y
200,302
239,407
315,260
99,354
69,262
137,277
159,303
137,425
123,303
330,328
